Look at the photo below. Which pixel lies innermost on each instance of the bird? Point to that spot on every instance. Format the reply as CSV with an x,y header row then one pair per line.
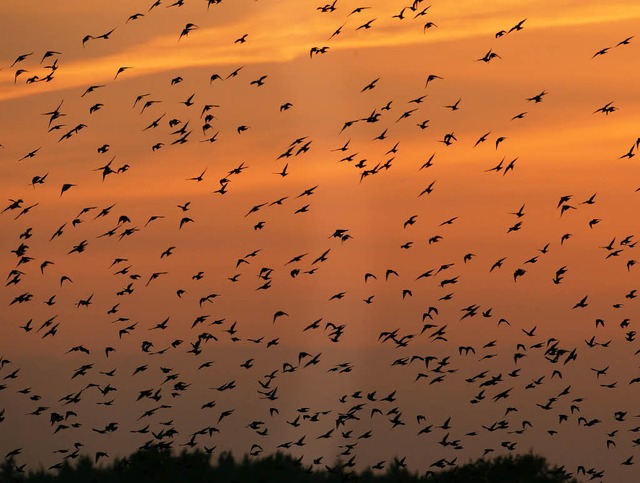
x,y
366,25
188,28
241,40
537,98
318,50
135,16
454,106
20,58
30,154
601,52
106,35
607,109
431,78
429,25
278,314
626,41
517,26
284,172
184,221
482,138
198,178
66,187
121,70
259,81
489,56
410,221
582,303
370,85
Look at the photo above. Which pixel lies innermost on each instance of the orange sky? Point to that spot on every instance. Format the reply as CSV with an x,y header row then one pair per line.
x,y
562,148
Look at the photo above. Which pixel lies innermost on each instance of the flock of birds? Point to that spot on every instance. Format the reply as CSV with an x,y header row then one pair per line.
x,y
424,352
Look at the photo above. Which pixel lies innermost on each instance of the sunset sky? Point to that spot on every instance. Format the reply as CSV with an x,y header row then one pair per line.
x,y
305,153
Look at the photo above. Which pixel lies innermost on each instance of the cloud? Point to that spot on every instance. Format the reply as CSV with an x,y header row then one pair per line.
x,y
279,34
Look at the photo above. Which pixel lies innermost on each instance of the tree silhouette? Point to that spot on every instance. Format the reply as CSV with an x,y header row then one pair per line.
x,y
161,465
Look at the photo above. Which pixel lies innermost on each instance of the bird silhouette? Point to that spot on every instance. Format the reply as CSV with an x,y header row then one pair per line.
x,y
188,28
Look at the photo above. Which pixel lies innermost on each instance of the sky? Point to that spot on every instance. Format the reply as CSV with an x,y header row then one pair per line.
x,y
341,141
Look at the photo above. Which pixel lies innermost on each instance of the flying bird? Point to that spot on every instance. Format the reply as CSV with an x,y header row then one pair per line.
x,y
120,71
186,30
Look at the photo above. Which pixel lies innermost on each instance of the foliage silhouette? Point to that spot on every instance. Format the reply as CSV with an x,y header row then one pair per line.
x,y
161,465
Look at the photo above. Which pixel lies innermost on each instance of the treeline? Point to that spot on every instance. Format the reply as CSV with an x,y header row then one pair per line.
x,y
160,466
